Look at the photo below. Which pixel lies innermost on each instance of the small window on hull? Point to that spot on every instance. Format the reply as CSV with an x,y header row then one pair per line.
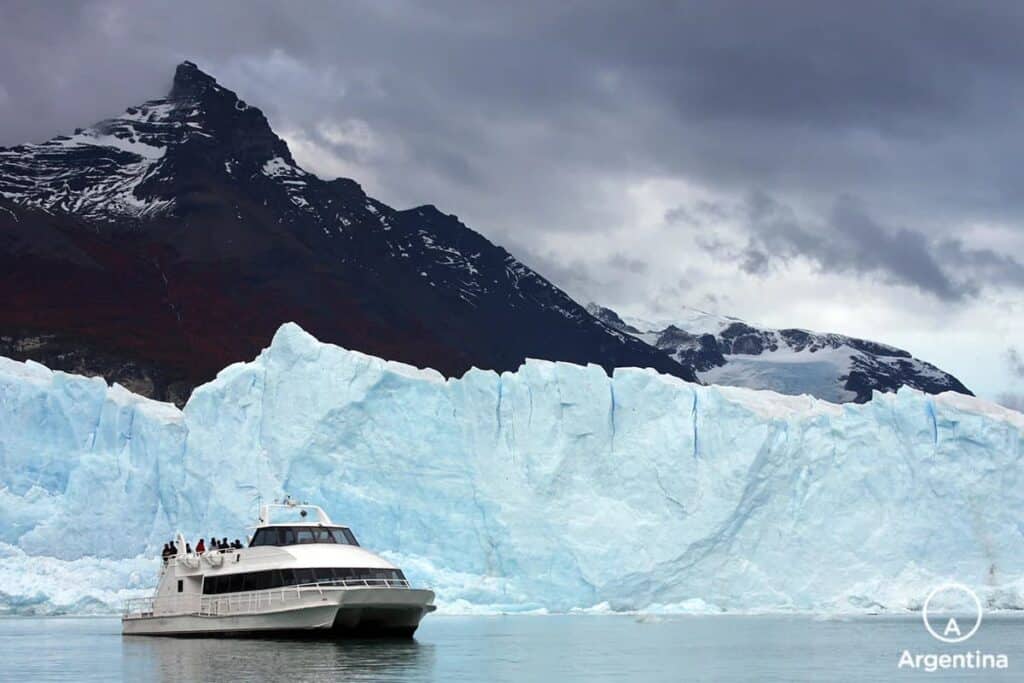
x,y
181,586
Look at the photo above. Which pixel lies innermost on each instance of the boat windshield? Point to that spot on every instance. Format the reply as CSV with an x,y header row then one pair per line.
x,y
300,535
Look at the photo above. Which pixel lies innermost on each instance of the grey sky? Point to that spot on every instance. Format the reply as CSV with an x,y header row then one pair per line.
x,y
851,167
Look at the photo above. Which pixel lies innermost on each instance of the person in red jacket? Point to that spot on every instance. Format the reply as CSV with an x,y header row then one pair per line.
x,y
200,547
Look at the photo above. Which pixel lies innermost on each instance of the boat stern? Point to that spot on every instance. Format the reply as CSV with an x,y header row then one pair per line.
x,y
382,612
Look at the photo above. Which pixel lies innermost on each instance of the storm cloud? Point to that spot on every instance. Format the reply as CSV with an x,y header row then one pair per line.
x,y
848,239
792,161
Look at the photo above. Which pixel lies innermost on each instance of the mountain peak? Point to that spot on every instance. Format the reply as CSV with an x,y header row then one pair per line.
x,y
141,163
236,130
834,367
190,82
182,233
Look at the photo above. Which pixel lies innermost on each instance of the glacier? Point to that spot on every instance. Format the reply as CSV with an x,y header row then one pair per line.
x,y
553,488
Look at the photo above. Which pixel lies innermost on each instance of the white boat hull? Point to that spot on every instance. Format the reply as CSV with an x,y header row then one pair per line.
x,y
315,613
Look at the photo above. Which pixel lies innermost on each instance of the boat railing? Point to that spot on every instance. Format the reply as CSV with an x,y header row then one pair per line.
x,y
138,607
247,602
191,560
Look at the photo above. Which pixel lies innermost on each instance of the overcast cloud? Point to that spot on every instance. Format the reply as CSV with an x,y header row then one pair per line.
x,y
851,167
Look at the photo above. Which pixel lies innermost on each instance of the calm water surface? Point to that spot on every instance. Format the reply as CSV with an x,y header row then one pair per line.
x,y
514,648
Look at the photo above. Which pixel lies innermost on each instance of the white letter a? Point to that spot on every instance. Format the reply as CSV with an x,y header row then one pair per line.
x,y
951,627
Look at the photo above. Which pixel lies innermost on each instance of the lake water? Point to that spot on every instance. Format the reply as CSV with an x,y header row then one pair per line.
x,y
513,648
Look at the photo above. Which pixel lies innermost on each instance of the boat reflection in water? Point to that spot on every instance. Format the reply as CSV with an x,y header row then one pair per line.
x,y
241,659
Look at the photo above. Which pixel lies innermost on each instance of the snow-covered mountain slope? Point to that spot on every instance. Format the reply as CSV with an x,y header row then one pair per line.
x,y
834,367
553,487
96,172
158,246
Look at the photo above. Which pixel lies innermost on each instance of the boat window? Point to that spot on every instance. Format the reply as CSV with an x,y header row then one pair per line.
x,y
300,535
264,537
278,578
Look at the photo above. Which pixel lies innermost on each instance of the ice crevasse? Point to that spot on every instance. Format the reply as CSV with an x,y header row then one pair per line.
x,y
555,487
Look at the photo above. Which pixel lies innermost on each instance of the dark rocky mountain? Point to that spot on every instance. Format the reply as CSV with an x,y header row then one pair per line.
x,y
156,247
835,367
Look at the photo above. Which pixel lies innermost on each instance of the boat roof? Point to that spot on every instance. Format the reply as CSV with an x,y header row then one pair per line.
x,y
288,507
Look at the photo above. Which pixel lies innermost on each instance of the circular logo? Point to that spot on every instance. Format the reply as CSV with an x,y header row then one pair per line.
x,y
951,632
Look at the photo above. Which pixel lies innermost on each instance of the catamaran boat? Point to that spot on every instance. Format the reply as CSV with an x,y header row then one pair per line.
x,y
307,578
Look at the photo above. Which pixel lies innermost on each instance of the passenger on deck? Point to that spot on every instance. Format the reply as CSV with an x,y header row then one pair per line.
x,y
188,548
166,552
224,543
200,547
236,544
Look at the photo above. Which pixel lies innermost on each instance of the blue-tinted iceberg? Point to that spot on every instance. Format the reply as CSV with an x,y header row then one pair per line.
x,y
555,487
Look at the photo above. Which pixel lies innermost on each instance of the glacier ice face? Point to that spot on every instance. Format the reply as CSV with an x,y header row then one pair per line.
x,y
556,487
